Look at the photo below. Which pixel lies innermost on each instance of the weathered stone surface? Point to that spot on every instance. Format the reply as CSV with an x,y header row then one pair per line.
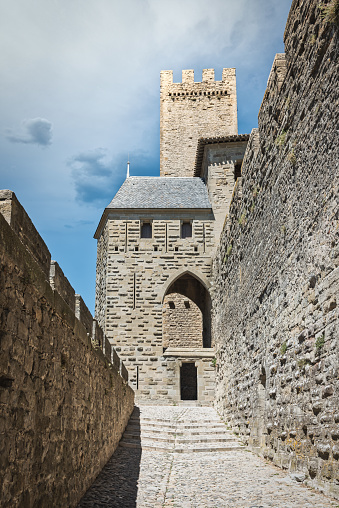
x,y
63,407
60,283
17,217
276,275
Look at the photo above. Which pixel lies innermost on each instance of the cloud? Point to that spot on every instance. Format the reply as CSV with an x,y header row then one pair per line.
x,y
96,176
37,131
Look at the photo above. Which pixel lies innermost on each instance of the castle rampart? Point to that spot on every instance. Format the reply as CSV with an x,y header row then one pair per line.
x,y
276,275
65,400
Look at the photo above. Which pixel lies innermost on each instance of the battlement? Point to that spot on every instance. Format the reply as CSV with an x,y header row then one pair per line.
x,y
208,76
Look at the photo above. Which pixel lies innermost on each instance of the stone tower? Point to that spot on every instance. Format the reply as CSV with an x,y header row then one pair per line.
x,y
157,239
192,110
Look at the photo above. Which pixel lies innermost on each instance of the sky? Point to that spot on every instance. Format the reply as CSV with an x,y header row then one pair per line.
x,y
79,91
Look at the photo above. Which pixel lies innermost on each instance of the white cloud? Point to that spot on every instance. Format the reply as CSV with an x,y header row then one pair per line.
x,y
37,131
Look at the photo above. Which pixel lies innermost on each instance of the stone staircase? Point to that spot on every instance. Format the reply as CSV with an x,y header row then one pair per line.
x,y
178,429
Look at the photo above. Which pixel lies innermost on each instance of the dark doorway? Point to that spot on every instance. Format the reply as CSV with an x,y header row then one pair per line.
x,y
188,382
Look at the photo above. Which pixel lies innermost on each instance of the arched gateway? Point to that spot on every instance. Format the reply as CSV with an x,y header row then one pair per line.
x,y
186,314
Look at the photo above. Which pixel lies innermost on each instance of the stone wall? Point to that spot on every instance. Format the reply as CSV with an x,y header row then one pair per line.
x,y
219,169
63,405
191,110
276,275
182,322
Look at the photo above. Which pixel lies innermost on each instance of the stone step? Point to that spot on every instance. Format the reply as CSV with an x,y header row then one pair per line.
x,y
176,433
179,440
162,421
210,447
218,425
178,430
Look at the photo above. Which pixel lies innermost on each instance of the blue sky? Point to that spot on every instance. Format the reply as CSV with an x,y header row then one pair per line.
x,y
79,90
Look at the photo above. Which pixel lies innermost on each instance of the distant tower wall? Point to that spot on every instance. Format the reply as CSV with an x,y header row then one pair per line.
x,y
191,110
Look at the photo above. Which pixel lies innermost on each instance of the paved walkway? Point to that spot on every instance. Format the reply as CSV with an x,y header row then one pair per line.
x,y
218,479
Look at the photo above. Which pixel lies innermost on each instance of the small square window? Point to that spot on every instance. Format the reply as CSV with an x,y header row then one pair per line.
x,y
146,230
176,249
186,230
136,248
155,248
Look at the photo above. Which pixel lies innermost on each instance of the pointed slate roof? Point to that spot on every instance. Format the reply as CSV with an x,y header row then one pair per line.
x,y
139,192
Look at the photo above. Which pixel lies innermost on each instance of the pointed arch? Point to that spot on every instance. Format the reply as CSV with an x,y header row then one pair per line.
x,y
186,305
180,273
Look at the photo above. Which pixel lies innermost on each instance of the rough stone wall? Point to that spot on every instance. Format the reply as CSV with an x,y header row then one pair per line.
x,y
182,322
20,222
190,110
276,274
63,406
139,271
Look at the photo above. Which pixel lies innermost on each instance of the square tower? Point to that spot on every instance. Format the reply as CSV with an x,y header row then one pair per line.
x,y
191,110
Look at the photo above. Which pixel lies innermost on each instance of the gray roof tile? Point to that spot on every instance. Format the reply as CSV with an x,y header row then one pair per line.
x,y
161,192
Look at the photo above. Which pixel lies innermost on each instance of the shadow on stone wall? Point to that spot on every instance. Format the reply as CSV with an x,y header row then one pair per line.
x,y
117,484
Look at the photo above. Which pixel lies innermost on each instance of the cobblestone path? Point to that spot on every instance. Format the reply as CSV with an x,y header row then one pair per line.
x,y
145,478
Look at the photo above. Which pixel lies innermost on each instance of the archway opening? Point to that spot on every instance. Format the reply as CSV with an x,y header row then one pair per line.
x,y
187,314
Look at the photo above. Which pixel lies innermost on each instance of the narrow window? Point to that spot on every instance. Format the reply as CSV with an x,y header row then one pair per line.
x,y
186,230
146,230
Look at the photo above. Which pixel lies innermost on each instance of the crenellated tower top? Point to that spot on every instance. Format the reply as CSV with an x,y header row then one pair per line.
x,y
191,110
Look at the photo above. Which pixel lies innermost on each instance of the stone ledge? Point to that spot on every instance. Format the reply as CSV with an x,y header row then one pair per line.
x,y
190,352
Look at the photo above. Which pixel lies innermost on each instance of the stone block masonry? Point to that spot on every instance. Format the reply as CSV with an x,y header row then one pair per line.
x,y
63,406
276,274
132,274
191,110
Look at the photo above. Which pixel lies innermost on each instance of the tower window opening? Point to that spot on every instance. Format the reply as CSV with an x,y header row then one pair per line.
x,y
186,230
146,230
